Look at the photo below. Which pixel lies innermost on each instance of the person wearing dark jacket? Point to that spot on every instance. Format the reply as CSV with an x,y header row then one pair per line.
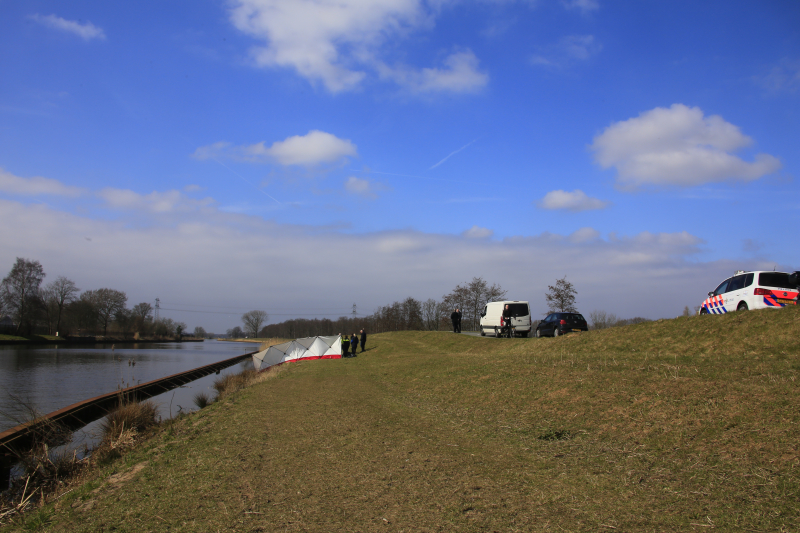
x,y
353,344
456,319
345,345
507,316
363,340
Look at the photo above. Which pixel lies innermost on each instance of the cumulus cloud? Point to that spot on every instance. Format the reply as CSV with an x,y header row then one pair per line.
x,y
476,232
677,146
567,51
87,31
35,186
338,42
574,201
314,148
155,202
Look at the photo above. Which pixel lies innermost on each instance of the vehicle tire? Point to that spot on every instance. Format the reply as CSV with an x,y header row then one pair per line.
x,y
703,311
495,333
742,307
483,332
556,332
538,334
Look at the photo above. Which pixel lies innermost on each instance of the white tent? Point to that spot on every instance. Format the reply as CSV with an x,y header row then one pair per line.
x,y
305,348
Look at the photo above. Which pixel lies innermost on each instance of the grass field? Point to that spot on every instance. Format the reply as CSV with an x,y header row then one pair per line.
x,y
677,425
32,338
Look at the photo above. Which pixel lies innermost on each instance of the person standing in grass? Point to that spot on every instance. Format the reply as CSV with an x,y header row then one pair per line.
x,y
353,344
345,345
363,340
456,319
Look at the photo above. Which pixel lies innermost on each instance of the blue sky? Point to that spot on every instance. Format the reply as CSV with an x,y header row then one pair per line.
x,y
298,156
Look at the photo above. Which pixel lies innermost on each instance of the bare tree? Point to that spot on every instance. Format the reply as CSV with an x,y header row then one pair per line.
x,y
142,315
82,314
471,297
235,333
561,296
165,327
430,314
59,294
602,320
107,303
412,313
20,289
253,320
200,332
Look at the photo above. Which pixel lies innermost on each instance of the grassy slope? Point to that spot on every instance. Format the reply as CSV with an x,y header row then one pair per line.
x,y
674,425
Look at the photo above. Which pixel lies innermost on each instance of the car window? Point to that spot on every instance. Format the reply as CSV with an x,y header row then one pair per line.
x,y
518,309
737,282
723,287
748,280
774,279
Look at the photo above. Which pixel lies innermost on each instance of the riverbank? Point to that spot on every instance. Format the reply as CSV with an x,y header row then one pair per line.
x,y
33,340
672,425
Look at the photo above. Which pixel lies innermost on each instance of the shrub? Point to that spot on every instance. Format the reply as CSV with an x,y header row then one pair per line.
x,y
201,400
131,416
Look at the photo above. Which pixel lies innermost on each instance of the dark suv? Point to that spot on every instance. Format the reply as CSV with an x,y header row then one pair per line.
x,y
556,324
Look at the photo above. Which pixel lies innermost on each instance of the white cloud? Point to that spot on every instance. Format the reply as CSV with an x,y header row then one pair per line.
x,y
568,50
359,187
314,148
338,42
476,232
460,75
35,186
286,269
87,31
584,235
677,146
574,201
155,202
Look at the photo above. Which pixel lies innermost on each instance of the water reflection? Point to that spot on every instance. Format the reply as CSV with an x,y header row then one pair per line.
x,y
48,378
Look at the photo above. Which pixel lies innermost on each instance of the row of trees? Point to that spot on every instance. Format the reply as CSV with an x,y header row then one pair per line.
x,y
428,315
409,314
60,307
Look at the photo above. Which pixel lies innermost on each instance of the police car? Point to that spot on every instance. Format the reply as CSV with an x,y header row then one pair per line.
x,y
752,290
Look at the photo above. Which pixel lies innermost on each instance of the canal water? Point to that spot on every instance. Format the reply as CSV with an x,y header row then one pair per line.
x,y
47,378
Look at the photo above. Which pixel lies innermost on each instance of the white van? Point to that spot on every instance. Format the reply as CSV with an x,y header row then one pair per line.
x,y
493,311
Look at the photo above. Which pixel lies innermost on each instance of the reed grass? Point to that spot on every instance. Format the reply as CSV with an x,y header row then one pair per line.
x,y
202,400
137,416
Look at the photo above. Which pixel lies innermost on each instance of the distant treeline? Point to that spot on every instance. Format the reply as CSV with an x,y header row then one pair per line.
x,y
416,315
61,307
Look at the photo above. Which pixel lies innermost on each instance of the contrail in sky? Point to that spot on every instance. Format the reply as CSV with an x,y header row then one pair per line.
x,y
451,155
404,175
245,179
